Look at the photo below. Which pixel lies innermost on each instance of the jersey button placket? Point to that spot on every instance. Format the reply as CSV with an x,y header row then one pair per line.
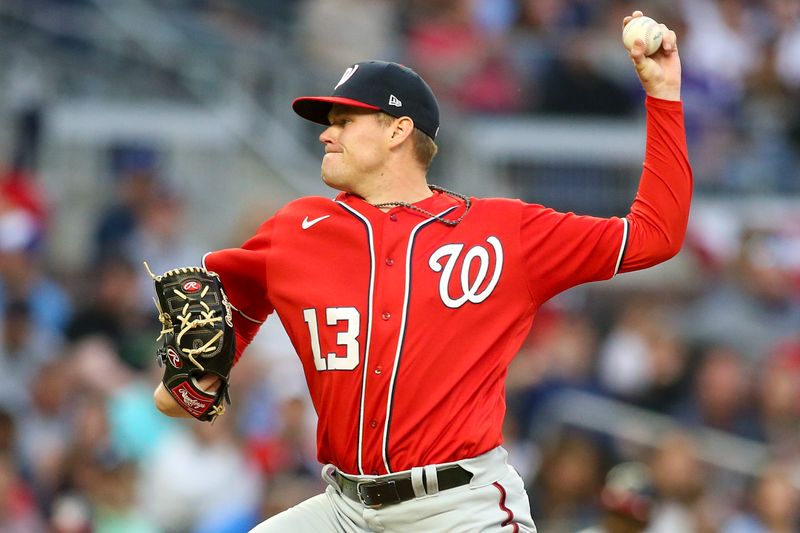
x,y
390,282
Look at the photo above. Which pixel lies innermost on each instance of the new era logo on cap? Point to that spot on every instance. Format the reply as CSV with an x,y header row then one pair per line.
x,y
382,86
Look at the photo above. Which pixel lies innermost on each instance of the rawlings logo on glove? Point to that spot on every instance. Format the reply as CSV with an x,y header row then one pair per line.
x,y
198,337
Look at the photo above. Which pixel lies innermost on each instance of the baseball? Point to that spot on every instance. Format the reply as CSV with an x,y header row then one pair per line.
x,y
646,29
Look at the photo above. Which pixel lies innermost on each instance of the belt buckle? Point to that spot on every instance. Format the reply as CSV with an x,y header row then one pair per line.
x,y
382,488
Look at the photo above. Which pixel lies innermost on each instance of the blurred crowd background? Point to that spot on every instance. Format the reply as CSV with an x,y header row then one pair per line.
x,y
161,129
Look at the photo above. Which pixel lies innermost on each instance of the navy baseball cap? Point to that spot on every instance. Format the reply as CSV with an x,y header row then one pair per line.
x,y
389,87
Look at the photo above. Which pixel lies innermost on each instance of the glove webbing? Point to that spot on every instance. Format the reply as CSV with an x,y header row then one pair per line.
x,y
186,323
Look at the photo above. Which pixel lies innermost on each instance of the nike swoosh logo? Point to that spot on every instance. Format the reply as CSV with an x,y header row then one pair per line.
x,y
308,223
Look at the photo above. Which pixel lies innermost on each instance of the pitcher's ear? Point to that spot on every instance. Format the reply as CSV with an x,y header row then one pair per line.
x,y
402,128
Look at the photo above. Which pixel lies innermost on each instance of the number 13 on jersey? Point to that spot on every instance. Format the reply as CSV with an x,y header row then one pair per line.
x,y
348,338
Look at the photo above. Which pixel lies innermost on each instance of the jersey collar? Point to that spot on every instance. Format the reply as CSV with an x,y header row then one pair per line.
x,y
435,203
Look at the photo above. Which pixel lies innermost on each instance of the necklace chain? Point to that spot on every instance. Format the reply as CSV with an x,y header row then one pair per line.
x,y
465,199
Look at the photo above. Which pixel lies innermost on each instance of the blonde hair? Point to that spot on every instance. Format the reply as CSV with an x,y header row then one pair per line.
x,y
425,148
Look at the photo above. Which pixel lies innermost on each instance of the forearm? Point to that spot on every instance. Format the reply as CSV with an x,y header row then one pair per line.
x,y
167,404
660,212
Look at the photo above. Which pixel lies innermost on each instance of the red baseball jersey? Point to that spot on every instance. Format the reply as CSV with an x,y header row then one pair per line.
x,y
406,326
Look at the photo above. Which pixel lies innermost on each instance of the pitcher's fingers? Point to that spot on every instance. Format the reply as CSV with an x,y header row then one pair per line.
x,y
667,38
673,39
637,52
630,17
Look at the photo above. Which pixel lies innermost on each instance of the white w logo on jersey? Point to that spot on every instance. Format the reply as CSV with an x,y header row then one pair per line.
x,y
469,287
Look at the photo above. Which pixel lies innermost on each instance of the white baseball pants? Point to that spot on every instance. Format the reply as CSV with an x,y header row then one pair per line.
x,y
494,501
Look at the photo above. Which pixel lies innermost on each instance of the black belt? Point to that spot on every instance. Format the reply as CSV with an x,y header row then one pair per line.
x,y
397,489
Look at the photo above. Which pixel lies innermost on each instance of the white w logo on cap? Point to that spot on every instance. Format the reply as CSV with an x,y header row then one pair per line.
x,y
347,75
393,100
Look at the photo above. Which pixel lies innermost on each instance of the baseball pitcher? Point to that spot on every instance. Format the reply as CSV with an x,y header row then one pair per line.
x,y
406,303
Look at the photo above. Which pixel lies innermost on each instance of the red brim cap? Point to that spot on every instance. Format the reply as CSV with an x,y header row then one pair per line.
x,y
316,108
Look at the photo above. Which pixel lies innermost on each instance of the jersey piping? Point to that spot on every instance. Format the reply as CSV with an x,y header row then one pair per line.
x,y
365,366
401,336
622,246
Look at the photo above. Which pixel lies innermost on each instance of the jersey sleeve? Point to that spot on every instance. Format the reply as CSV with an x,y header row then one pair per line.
x,y
660,212
243,274
562,250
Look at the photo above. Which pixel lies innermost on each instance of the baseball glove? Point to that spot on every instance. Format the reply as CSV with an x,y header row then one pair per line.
x,y
198,338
